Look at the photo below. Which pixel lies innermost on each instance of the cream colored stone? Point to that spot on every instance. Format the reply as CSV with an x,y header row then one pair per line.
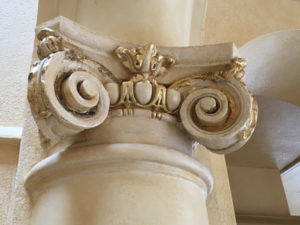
x,y
139,122
183,21
207,104
143,91
212,110
210,130
144,85
123,183
113,92
173,99
99,48
203,62
81,91
219,203
55,98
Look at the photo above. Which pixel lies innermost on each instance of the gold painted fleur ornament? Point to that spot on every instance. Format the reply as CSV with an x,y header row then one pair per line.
x,y
144,60
238,66
142,90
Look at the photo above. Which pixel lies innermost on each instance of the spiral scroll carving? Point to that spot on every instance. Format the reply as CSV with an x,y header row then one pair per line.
x,y
66,95
217,112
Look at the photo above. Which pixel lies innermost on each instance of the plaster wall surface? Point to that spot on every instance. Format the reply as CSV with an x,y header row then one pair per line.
x,y
30,153
17,23
171,23
240,21
8,165
257,191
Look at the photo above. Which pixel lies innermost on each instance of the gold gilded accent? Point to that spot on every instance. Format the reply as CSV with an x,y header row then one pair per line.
x,y
186,82
145,63
49,42
145,60
237,68
157,115
127,112
250,127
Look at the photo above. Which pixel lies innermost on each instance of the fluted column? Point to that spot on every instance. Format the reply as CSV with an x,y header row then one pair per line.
x,y
120,122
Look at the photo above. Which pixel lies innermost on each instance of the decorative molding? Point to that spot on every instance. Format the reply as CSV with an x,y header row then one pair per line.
x,y
143,90
69,92
292,165
268,220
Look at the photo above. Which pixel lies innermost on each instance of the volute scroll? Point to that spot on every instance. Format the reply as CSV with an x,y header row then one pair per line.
x,y
218,111
66,95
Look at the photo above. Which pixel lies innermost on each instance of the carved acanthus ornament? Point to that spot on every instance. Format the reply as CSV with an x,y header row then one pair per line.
x,y
69,92
142,90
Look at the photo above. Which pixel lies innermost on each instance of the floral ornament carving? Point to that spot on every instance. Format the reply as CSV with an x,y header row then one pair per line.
x,y
144,61
142,90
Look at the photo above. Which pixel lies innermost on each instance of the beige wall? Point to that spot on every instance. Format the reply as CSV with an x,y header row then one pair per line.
x,y
236,21
257,191
17,22
239,21
171,20
8,165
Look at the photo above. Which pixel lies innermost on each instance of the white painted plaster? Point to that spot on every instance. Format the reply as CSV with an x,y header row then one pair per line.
x,y
17,23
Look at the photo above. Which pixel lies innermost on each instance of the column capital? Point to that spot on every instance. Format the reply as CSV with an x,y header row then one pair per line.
x,y
83,79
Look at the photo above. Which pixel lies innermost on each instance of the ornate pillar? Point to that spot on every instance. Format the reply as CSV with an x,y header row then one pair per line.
x,y
120,122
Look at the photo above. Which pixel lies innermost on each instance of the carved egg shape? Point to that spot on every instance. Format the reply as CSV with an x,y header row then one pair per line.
x,y
143,91
173,99
113,90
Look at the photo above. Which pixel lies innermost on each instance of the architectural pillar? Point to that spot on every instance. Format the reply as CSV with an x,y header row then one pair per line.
x,y
120,121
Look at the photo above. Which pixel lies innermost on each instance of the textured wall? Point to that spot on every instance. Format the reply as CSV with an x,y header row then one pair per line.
x,y
17,22
8,166
257,191
239,21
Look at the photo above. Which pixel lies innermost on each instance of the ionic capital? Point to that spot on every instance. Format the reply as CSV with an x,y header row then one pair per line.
x,y
81,80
